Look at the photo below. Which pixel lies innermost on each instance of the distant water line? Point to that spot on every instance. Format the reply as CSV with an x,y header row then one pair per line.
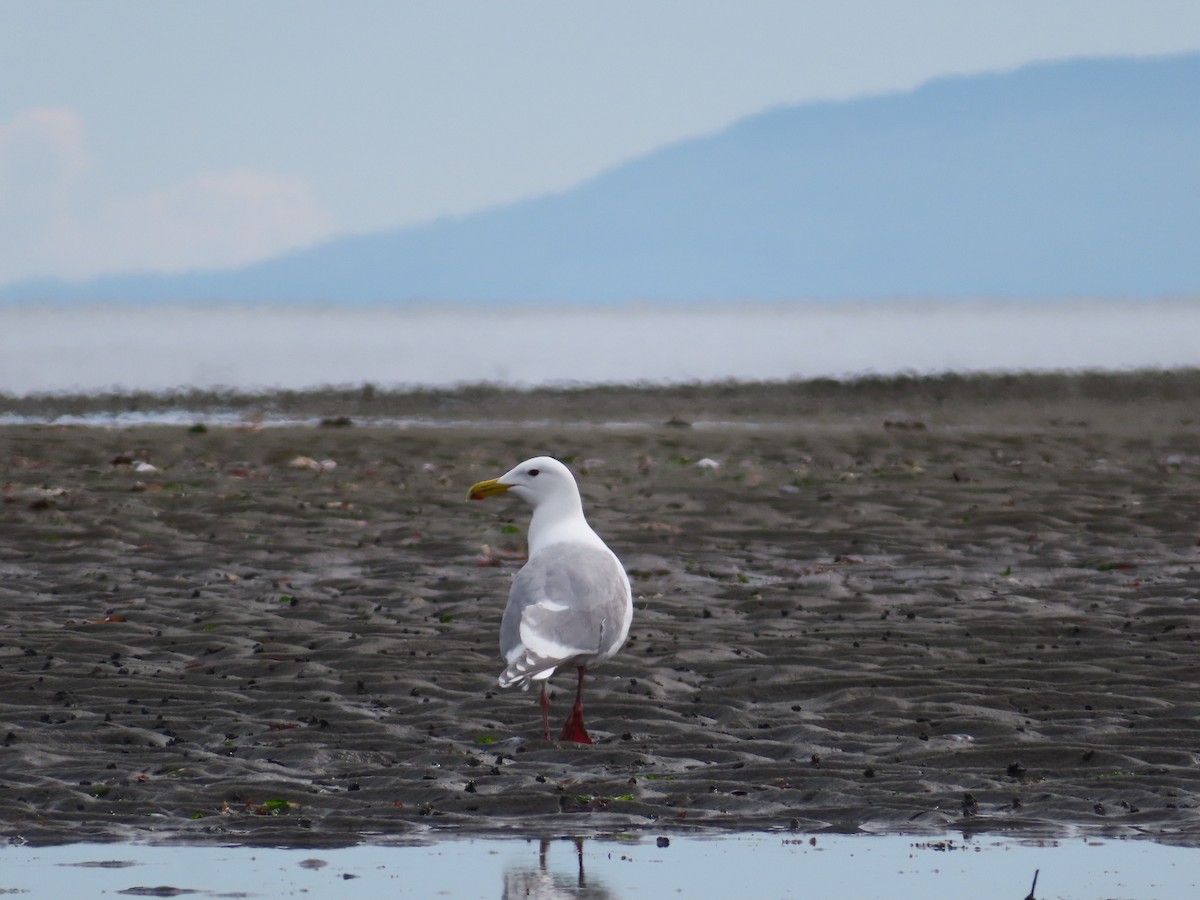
x,y
90,349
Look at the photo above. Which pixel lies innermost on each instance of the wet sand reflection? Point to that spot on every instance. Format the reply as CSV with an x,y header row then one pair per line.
x,y
529,883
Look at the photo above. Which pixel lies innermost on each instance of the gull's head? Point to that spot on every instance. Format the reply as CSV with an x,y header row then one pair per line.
x,y
535,481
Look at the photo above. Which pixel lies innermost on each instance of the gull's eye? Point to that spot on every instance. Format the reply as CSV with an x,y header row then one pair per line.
x,y
533,473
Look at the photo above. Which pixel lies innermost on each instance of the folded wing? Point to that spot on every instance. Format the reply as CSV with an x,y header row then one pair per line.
x,y
568,603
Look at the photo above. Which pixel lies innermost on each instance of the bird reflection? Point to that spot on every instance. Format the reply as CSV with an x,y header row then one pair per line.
x,y
528,883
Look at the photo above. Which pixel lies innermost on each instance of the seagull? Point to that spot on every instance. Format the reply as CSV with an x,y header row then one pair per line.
x,y
570,604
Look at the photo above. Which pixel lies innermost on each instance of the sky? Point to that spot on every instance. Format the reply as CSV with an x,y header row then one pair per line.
x,y
144,135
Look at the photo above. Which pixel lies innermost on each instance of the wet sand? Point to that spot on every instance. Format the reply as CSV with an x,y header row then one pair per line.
x,y
894,605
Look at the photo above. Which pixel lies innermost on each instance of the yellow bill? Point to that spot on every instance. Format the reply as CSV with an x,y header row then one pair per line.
x,y
486,489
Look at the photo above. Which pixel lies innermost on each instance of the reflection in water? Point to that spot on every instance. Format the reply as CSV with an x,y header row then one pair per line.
x,y
542,884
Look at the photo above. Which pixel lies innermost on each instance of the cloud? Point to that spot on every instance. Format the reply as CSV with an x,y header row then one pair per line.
x,y
41,158
56,221
209,220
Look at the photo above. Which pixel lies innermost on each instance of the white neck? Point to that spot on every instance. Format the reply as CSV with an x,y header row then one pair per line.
x,y
564,516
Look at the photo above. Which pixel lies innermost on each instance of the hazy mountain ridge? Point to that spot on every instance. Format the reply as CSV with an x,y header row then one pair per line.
x,y
1056,180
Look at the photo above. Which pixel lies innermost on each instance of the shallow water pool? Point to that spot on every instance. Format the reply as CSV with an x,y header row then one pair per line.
x,y
761,866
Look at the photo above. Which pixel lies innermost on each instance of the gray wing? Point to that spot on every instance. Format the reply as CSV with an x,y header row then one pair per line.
x,y
570,600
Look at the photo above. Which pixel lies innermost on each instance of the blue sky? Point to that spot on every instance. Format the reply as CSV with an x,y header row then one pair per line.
x,y
137,134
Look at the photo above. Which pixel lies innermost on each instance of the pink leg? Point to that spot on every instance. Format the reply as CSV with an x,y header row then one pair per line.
x,y
544,703
574,730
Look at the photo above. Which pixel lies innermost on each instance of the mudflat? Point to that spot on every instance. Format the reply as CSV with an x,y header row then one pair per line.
x,y
896,604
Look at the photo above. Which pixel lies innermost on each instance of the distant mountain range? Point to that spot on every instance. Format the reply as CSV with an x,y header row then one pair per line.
x,y
1075,179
